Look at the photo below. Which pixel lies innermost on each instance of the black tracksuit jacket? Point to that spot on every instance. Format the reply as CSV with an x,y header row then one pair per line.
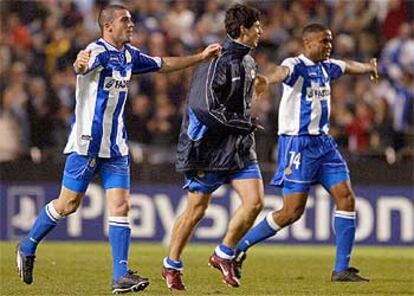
x,y
217,132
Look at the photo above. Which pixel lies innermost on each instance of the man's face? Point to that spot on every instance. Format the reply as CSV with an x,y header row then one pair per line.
x,y
251,36
121,27
318,46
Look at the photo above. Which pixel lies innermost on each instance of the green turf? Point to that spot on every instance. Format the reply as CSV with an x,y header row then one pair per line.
x,y
85,269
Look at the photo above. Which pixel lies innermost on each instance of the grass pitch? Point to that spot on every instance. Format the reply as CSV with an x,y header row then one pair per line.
x,y
85,269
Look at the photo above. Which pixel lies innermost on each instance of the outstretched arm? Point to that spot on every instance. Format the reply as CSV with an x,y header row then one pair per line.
x,y
178,63
277,74
353,67
260,86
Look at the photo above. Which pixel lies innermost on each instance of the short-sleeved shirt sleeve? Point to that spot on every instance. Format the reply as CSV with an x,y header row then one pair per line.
x,y
98,57
335,68
291,63
142,63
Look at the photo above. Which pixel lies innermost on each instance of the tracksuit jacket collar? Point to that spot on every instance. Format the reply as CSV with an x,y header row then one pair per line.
x,y
231,44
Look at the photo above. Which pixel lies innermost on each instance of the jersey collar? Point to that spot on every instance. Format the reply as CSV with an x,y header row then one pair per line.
x,y
110,46
306,61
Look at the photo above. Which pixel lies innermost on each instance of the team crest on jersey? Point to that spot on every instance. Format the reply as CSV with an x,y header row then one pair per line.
x,y
128,56
288,171
201,174
92,162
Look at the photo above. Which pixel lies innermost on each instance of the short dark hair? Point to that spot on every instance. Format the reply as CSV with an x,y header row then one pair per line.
x,y
240,15
106,14
313,28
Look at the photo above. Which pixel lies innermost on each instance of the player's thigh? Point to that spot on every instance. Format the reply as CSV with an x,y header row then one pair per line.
x,y
197,204
248,183
78,172
251,192
115,176
344,196
198,199
115,173
333,170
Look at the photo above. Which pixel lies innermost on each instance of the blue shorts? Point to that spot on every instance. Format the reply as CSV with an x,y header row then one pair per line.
x,y
307,160
80,169
208,182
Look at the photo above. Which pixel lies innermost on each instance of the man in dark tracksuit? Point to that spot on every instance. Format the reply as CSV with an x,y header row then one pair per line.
x,y
216,145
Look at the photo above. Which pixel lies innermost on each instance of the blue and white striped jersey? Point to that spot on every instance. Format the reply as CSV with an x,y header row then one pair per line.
x,y
305,105
98,127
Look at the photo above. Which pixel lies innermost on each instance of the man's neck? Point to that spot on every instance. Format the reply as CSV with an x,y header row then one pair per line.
x,y
240,40
113,43
309,57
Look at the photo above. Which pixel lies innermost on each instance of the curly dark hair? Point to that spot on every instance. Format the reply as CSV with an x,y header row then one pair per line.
x,y
240,15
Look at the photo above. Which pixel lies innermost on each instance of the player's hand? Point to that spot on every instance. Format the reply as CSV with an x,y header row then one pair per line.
x,y
256,124
260,86
211,51
374,70
82,61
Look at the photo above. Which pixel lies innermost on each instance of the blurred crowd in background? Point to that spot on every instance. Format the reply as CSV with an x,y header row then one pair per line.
x,y
39,41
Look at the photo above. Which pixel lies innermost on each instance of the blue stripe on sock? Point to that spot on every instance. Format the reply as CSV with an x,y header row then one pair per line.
x,y
176,264
226,250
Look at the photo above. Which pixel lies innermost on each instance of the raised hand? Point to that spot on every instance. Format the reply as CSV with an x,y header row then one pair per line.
x,y
256,124
82,61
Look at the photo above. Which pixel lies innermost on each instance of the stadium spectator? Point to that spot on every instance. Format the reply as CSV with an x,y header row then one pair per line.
x,y
164,123
180,20
358,131
9,129
138,118
19,33
397,64
396,15
14,102
41,112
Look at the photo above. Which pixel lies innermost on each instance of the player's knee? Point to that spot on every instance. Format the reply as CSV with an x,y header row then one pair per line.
x,y
255,208
120,208
346,202
293,214
69,207
199,214
196,213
